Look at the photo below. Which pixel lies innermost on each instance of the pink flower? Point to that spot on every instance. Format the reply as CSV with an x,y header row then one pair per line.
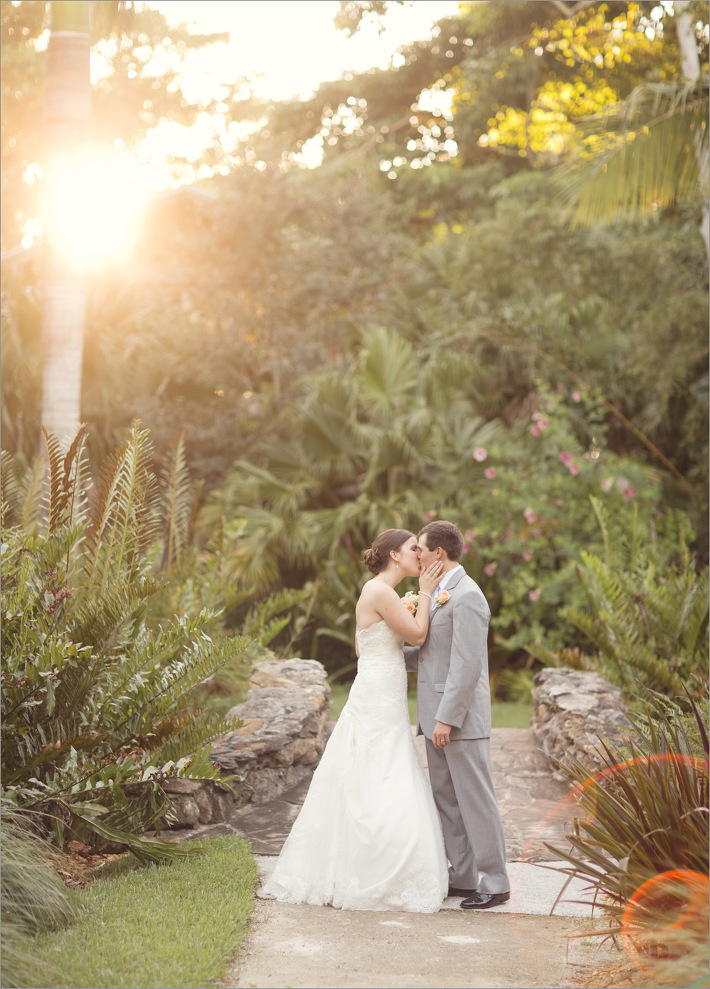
x,y
573,469
468,535
629,493
480,454
607,484
542,422
466,547
490,473
576,397
535,431
565,458
428,516
527,555
530,515
490,569
534,595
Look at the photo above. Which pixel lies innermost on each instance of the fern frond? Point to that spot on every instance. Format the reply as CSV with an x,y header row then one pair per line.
x,y
32,494
179,499
9,489
65,476
124,519
192,740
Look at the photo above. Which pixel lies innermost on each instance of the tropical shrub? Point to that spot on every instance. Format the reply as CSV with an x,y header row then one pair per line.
x,y
93,696
645,612
528,511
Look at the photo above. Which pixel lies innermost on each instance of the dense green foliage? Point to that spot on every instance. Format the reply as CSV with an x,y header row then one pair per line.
x,y
646,608
337,343
93,694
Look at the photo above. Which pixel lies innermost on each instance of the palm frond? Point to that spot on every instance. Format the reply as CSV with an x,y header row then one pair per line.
x,y
649,153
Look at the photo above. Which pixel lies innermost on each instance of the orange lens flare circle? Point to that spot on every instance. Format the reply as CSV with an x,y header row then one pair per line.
x,y
684,893
684,885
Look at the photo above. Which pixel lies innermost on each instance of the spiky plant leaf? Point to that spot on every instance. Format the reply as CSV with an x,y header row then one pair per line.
x,y
144,847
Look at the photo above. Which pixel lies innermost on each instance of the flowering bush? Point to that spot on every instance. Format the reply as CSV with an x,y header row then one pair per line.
x,y
533,517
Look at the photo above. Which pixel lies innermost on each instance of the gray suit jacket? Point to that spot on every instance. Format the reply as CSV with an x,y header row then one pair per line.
x,y
452,664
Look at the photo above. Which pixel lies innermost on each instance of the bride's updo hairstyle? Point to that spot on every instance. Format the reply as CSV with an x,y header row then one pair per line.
x,y
378,555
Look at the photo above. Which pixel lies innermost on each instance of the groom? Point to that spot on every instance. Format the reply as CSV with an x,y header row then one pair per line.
x,y
454,714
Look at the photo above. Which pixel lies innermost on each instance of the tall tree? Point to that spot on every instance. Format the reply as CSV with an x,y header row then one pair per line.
x,y
67,123
691,72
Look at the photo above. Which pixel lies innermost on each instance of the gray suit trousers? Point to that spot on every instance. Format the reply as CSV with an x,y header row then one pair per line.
x,y
463,789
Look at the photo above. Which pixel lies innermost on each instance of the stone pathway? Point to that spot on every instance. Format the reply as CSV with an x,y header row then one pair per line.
x,y
531,941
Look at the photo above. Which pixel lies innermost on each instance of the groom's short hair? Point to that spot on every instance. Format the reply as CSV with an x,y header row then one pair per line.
x,y
447,536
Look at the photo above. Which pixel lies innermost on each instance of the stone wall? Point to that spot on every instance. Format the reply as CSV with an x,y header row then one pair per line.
x,y
286,711
573,709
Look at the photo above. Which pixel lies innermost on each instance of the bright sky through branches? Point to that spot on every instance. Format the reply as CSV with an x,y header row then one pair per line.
x,y
292,44
287,48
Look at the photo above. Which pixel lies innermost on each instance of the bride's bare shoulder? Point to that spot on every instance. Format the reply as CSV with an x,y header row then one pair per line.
x,y
373,599
375,590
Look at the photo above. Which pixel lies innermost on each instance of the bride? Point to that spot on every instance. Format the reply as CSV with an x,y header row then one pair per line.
x,y
368,836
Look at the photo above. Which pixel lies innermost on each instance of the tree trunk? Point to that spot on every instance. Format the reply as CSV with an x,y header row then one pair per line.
x,y
67,118
690,69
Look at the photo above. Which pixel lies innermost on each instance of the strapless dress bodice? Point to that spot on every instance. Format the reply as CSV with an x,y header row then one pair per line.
x,y
379,643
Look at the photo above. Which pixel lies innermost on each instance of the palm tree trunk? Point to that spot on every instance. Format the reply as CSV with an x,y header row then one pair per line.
x,y
67,117
690,69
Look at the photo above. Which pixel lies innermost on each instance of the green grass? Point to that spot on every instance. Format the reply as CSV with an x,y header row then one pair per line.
x,y
176,925
504,714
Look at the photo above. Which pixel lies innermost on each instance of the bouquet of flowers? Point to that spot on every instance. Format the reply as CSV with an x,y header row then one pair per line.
x,y
410,601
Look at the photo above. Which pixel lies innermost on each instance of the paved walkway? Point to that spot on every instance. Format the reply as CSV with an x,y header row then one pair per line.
x,y
523,943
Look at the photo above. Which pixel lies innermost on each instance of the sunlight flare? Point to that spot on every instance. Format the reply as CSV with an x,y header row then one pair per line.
x,y
92,212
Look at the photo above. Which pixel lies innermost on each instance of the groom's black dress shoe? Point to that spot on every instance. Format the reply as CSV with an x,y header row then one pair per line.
x,y
482,901
455,891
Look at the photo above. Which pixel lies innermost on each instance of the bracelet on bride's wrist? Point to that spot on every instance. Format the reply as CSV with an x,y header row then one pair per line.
x,y
425,593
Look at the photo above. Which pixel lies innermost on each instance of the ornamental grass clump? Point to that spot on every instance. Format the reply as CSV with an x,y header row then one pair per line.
x,y
641,841
34,898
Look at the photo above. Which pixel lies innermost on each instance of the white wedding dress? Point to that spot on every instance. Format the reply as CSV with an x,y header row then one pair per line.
x,y
368,836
